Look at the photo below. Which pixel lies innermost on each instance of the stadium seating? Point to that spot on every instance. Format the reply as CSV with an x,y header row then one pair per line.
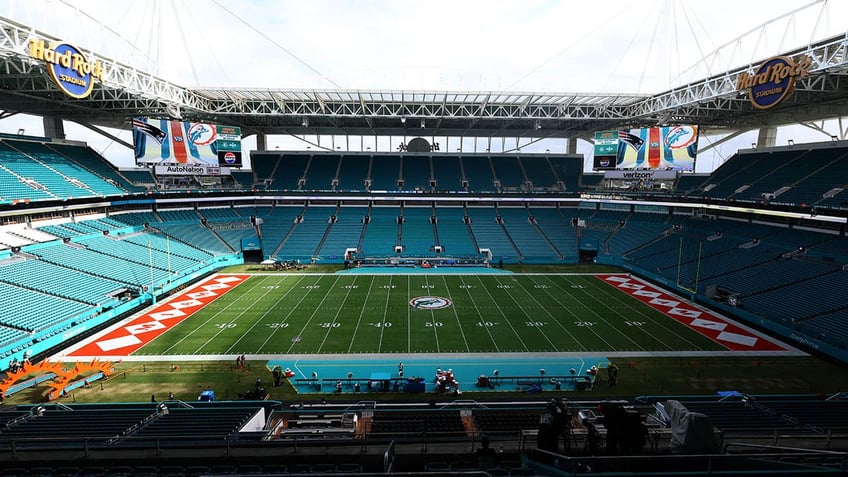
x,y
385,172
490,234
539,173
478,173
344,233
417,232
558,230
509,173
454,234
353,172
322,172
416,171
381,232
532,245
305,237
447,172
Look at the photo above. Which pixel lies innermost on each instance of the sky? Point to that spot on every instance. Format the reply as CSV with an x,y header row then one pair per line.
x,y
603,46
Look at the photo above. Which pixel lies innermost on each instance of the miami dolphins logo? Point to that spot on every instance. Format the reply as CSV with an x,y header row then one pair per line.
x,y
429,303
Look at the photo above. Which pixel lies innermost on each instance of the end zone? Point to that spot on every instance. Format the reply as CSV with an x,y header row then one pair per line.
x,y
130,335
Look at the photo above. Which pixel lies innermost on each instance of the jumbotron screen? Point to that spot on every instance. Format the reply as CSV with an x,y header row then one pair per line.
x,y
657,148
161,142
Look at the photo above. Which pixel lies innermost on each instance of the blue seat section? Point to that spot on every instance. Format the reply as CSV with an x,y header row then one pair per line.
x,y
478,173
687,183
829,326
508,171
787,172
137,218
56,183
323,169
303,240
771,275
245,179
795,302
344,233
742,169
96,263
62,281
381,233
12,187
178,215
277,222
233,232
525,235
353,172
568,170
204,422
453,232
416,171
538,171
223,214
64,165
92,161
264,164
200,237
558,229
639,228
167,246
31,310
138,176
100,422
490,234
810,190
385,172
417,232
290,170
447,171
837,201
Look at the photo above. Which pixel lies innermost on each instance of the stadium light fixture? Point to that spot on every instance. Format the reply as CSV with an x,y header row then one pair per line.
x,y
305,122
791,142
834,137
537,125
423,123
21,131
403,119
753,145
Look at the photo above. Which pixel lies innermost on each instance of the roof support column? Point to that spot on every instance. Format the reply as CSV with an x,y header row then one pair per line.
x,y
261,144
53,127
767,137
571,147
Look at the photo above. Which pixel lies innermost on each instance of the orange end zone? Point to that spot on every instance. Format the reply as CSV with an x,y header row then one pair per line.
x,y
719,329
129,337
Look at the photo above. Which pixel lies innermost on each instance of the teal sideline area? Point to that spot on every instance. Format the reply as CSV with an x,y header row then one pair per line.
x,y
447,270
514,374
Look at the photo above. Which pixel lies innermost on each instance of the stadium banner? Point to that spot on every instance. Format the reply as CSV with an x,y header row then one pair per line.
x,y
162,142
70,69
190,170
641,175
660,147
603,163
606,148
774,80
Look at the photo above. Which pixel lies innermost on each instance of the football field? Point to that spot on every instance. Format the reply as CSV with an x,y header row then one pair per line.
x,y
425,313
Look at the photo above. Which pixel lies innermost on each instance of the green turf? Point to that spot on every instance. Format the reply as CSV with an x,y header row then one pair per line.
x,y
275,314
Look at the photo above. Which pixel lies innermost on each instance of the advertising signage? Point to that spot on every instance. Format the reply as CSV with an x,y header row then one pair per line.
x,y
69,69
773,80
163,142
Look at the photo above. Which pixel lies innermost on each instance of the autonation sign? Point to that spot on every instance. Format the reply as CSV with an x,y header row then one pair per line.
x,y
773,80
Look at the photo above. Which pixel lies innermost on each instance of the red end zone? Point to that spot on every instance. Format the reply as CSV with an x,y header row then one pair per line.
x,y
129,337
711,325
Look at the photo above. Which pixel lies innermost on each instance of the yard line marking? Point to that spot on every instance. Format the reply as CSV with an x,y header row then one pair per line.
x,y
288,315
538,329
599,317
555,319
383,325
315,311
336,316
455,313
362,312
432,318
267,311
576,317
619,297
233,320
479,315
492,299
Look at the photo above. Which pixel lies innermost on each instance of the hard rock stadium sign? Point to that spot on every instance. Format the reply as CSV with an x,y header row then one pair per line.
x,y
69,69
773,80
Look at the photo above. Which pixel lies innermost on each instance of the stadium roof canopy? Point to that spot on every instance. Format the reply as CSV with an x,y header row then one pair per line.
x,y
714,103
